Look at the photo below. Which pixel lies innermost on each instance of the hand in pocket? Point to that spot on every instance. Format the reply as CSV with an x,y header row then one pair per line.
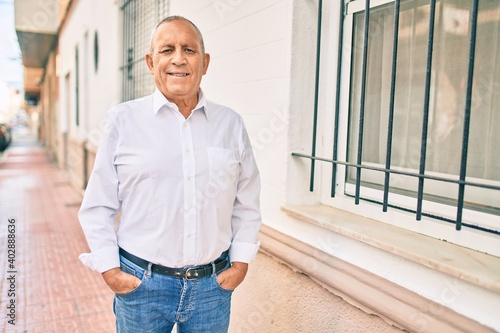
x,y
120,282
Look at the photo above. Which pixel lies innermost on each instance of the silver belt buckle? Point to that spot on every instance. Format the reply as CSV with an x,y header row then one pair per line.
x,y
190,276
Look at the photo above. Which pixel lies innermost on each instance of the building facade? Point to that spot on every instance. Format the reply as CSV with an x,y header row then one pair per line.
x,y
375,127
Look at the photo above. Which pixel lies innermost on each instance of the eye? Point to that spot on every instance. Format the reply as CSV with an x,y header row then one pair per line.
x,y
165,51
188,50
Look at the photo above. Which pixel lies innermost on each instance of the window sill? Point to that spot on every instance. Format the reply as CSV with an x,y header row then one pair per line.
x,y
475,267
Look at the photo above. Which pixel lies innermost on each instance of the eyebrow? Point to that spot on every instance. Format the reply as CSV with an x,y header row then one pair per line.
x,y
191,46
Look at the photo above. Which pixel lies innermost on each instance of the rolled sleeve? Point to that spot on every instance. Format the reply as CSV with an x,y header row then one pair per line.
x,y
243,252
101,260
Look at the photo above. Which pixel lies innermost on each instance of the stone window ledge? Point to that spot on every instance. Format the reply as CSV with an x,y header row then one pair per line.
x,y
457,261
454,278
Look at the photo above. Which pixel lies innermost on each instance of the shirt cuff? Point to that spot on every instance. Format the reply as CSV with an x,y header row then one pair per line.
x,y
243,252
101,260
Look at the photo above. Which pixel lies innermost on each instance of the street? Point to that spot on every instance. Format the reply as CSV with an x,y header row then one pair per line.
x,y
44,286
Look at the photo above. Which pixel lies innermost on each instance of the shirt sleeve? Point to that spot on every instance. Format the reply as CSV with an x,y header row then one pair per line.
x,y
101,203
246,217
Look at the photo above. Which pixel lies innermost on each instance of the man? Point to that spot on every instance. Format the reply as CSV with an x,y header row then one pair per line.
x,y
181,171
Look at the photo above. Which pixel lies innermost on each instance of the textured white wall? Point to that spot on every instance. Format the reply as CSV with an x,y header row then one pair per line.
x,y
98,90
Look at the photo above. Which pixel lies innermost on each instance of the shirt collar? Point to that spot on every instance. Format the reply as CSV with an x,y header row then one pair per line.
x,y
159,100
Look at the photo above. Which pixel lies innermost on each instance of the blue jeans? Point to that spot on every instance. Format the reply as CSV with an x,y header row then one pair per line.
x,y
161,301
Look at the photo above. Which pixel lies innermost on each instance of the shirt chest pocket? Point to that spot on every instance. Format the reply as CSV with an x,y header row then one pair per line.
x,y
224,167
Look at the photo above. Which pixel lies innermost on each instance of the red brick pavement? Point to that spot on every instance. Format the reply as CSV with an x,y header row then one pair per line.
x,y
54,292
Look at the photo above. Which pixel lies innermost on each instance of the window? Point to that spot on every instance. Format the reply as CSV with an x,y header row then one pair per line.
x,y
139,18
96,52
418,125
77,88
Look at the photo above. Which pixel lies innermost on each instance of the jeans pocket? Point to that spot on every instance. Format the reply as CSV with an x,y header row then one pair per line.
x,y
217,283
230,291
135,271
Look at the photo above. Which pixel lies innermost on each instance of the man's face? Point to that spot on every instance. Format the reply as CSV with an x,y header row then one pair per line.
x,y
177,62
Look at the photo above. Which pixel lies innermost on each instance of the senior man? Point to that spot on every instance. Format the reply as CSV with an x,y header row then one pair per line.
x,y
181,171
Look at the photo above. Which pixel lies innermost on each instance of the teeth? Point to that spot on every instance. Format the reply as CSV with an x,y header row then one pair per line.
x,y
173,74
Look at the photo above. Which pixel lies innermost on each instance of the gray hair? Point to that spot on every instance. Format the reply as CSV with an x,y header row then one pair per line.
x,y
175,18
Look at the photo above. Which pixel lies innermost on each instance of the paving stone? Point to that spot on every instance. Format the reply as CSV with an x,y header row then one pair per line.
x,y
54,292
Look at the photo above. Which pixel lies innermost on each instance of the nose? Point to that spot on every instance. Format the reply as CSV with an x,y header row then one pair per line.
x,y
178,58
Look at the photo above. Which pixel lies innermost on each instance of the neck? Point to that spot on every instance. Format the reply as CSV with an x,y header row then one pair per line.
x,y
185,105
185,110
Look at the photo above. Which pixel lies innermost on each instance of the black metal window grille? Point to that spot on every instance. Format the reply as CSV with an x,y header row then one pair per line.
x,y
372,161
138,20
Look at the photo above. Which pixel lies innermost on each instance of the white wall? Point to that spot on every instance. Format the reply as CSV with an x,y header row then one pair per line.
x,y
98,90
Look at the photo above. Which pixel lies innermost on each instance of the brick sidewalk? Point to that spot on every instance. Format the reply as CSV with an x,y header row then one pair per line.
x,y
53,291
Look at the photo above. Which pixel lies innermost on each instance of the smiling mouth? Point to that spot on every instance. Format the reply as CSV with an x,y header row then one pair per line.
x,y
178,74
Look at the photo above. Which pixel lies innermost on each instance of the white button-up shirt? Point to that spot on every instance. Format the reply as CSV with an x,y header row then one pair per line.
x,y
187,189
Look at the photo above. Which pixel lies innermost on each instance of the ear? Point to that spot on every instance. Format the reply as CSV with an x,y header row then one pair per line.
x,y
206,61
149,62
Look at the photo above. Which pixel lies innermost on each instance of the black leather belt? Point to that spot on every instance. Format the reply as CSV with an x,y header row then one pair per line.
x,y
190,273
